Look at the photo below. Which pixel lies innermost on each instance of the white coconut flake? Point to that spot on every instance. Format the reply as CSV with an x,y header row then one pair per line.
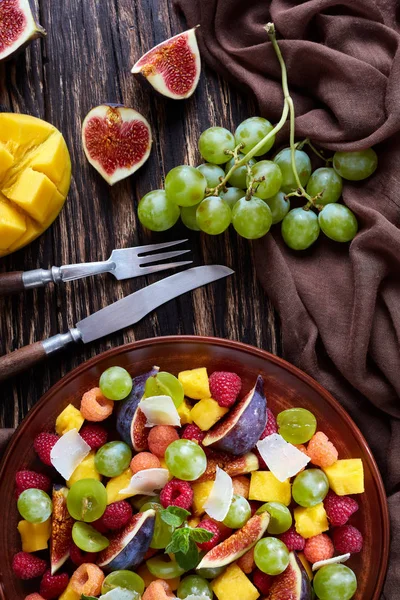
x,y
160,410
146,482
330,561
283,459
68,452
220,498
119,593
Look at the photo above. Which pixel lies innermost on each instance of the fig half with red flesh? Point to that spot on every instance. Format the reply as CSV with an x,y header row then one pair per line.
x,y
17,26
293,583
61,529
116,140
172,67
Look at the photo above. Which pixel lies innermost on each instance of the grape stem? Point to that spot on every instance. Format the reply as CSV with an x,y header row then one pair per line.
x,y
316,152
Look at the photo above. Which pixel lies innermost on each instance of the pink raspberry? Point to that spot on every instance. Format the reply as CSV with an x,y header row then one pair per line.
x,y
271,426
193,433
339,508
262,581
94,435
116,515
25,480
79,558
177,493
319,547
225,387
43,446
212,528
321,451
52,586
293,540
34,597
28,566
347,539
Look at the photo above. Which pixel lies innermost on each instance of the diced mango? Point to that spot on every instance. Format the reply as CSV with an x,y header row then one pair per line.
x,y
32,192
311,521
50,158
34,536
193,522
12,225
24,130
69,418
201,491
69,594
116,484
233,583
265,487
306,565
346,476
184,413
207,412
33,230
6,160
195,383
85,470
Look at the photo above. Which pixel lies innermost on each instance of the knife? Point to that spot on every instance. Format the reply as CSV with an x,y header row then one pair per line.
x,y
116,316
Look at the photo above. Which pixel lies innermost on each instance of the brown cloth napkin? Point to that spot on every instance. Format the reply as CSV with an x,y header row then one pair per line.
x,y
339,306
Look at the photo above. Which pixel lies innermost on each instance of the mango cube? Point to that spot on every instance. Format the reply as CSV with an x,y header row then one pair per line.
x,y
265,487
85,470
116,484
6,160
311,521
12,225
195,383
69,594
34,536
70,418
346,476
32,192
201,491
50,159
24,130
31,233
233,583
207,412
184,413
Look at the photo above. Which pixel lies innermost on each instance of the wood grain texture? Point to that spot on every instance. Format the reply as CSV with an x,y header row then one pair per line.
x,y
84,61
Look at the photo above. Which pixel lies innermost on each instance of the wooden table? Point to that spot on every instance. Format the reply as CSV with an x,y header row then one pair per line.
x,y
85,61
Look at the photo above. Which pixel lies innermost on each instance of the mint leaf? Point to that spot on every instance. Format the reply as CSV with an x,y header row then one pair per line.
x,y
83,597
174,515
174,544
179,541
199,535
190,559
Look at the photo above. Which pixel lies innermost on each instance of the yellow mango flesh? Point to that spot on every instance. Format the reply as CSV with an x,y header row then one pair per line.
x,y
116,484
6,160
195,383
12,225
34,536
201,491
234,584
184,413
69,418
69,594
206,413
85,470
310,521
346,476
265,487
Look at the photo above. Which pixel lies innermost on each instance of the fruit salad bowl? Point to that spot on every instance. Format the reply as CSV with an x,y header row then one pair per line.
x,y
285,387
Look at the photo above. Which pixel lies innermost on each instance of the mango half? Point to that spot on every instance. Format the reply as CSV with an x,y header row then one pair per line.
x,y
35,175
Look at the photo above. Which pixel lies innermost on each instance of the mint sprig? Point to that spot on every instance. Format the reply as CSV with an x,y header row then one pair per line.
x,y
174,516
183,545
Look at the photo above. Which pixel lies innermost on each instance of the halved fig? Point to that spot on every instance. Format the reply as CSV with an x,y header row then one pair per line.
x,y
61,529
17,26
232,465
239,431
293,583
172,67
116,140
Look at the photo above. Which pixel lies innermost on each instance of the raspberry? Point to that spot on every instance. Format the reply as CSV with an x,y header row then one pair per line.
x,y
52,586
319,547
177,493
193,433
34,597
143,461
225,387
293,540
339,508
271,426
262,581
95,406
160,437
25,480
116,515
27,566
246,562
43,446
347,539
94,435
212,528
79,558
321,451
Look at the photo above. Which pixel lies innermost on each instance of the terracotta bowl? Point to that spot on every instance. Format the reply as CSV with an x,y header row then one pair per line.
x,y
286,387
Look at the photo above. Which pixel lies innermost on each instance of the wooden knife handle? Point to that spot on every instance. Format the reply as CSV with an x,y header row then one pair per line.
x,y
20,360
10,283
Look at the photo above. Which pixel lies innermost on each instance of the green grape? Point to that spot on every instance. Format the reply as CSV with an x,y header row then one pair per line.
x,y
239,512
156,212
251,131
279,205
163,567
112,459
272,178
115,383
162,531
210,573
213,215
87,538
327,182
35,505
252,219
271,556
165,384
185,460
185,186
310,487
213,144
127,580
303,167
188,216
338,222
300,228
212,173
232,195
193,585
357,165
87,500
335,582
239,176
281,517
296,425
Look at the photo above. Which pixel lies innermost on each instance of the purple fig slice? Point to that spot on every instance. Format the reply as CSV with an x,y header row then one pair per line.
x,y
232,465
172,67
61,529
239,431
116,140
17,26
292,584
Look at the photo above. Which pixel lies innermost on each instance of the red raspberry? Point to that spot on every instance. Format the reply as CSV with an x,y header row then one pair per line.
x,y
213,528
177,493
43,446
25,480
52,586
27,566
116,515
347,539
34,597
339,508
94,435
225,387
319,547
262,581
79,558
194,433
271,426
293,540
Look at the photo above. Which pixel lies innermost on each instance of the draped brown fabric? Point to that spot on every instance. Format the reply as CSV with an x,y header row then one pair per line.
x,y
339,305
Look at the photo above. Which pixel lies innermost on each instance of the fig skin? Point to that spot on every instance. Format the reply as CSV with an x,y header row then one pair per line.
x,y
293,582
